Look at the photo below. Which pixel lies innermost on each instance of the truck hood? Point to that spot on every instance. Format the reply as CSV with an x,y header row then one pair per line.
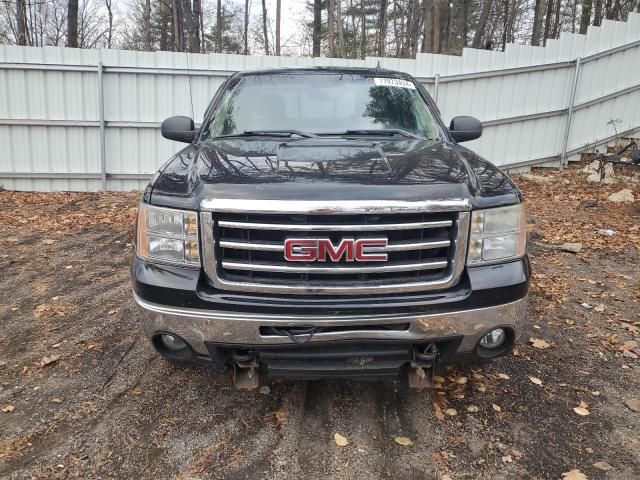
x,y
330,168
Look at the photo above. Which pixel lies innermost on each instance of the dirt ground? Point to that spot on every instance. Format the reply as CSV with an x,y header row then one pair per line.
x,y
82,393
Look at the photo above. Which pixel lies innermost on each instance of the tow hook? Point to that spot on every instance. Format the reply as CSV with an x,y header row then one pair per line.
x,y
420,371
245,372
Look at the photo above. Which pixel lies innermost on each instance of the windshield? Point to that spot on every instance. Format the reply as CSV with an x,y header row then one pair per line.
x,y
321,104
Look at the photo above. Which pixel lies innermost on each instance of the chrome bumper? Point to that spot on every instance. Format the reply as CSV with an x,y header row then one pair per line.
x,y
200,326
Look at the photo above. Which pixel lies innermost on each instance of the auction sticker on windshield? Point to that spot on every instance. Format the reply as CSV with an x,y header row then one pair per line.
x,y
394,82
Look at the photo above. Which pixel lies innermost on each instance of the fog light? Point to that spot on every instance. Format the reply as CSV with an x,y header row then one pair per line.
x,y
493,339
172,342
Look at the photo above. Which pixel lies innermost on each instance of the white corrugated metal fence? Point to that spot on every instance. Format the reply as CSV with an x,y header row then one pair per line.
x,y
84,119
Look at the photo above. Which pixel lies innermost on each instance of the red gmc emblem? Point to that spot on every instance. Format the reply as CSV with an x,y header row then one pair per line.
x,y
322,249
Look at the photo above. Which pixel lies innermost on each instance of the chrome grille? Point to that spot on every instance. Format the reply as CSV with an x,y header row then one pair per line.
x,y
244,250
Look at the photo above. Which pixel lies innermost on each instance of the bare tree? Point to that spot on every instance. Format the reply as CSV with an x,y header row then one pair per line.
x,y
278,8
585,16
317,21
110,17
72,24
219,27
264,27
382,28
537,22
482,23
340,27
331,26
146,25
21,23
597,13
246,27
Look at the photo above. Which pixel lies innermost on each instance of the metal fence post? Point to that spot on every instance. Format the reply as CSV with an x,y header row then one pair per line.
x,y
436,84
103,152
572,101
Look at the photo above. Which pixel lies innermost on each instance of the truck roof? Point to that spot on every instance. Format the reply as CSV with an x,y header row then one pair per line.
x,y
327,70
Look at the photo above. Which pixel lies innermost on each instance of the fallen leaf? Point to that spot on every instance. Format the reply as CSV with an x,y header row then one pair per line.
x,y
56,400
581,411
504,376
8,409
588,450
599,308
604,466
633,404
281,417
438,379
404,441
538,343
462,380
574,475
49,360
452,412
446,477
481,388
340,440
507,459
535,380
496,407
472,409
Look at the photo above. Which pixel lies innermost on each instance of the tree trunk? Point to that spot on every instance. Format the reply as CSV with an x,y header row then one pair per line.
x,y
363,30
482,23
340,27
278,8
197,15
72,23
219,27
597,13
317,20
537,22
178,38
264,27
147,25
547,21
427,34
556,21
331,27
505,25
246,27
436,26
110,17
191,26
585,17
21,20
382,28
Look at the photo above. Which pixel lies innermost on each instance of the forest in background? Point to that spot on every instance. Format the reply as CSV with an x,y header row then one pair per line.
x,y
332,28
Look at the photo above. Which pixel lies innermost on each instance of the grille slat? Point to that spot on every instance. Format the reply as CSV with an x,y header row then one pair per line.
x,y
333,228
244,251
278,247
333,270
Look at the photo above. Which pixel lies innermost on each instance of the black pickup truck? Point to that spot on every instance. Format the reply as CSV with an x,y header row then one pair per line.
x,y
324,222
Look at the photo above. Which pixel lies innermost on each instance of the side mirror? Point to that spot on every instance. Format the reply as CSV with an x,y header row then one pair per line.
x,y
180,129
465,128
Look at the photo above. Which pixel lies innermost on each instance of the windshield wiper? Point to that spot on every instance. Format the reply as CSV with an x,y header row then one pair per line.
x,y
382,132
269,133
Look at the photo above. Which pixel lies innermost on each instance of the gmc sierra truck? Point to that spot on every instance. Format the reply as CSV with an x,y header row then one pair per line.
x,y
324,222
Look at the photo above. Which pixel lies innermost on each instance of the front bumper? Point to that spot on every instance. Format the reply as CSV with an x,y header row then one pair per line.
x,y
199,327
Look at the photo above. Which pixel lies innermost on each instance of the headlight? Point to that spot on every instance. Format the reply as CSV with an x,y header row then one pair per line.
x,y
497,234
168,235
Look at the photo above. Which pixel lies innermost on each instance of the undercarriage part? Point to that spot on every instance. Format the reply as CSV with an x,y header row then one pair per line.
x,y
420,377
245,373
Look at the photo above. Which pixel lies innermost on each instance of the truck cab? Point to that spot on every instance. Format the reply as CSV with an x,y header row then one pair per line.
x,y
324,222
